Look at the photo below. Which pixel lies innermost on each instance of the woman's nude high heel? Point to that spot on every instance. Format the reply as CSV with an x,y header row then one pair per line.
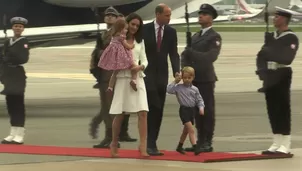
x,y
143,151
114,151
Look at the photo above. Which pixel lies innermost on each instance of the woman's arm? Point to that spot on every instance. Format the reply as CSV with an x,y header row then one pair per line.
x,y
142,56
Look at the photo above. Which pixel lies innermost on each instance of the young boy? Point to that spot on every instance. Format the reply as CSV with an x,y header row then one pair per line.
x,y
189,98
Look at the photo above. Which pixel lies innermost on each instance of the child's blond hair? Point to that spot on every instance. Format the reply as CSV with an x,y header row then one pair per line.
x,y
188,70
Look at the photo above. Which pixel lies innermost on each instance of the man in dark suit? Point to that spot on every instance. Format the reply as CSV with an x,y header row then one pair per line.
x,y
160,40
206,45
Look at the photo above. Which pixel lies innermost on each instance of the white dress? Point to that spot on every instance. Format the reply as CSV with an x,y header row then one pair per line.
x,y
125,99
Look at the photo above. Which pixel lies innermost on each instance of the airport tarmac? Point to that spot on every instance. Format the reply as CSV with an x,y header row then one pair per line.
x,y
61,101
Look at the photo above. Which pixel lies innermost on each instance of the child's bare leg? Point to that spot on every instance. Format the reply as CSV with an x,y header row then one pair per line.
x,y
112,80
191,133
133,79
182,140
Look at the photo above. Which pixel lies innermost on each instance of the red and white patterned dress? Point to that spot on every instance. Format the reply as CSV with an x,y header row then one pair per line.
x,y
116,56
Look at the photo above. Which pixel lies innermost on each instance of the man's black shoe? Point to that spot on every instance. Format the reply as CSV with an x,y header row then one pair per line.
x,y
154,152
127,138
105,144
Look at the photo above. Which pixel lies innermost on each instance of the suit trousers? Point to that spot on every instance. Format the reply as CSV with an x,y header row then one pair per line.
x,y
125,126
205,124
278,105
156,102
16,110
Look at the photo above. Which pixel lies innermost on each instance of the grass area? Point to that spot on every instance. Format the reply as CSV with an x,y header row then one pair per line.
x,y
234,29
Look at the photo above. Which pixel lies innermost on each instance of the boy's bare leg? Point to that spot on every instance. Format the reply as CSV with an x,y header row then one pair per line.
x,y
191,133
182,140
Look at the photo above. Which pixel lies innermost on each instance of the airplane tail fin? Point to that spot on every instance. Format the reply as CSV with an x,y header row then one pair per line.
x,y
243,6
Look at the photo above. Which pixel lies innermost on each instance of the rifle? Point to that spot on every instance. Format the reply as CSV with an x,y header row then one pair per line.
x,y
5,33
266,16
98,20
4,25
189,34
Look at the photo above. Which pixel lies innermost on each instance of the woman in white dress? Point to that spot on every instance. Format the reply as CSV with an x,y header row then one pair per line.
x,y
125,99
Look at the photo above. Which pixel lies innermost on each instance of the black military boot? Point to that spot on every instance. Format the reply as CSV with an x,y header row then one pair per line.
x,y
94,126
208,146
105,143
124,135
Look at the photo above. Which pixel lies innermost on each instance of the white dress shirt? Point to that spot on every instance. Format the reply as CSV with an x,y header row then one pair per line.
x,y
204,30
156,27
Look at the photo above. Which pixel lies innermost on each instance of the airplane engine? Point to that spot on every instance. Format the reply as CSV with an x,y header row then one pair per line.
x,y
90,3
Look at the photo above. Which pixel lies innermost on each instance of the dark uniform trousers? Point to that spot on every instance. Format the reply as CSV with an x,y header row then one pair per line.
x,y
201,56
13,77
278,104
205,124
16,109
105,100
103,77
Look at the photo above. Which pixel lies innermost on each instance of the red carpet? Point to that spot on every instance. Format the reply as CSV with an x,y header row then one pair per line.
x,y
134,154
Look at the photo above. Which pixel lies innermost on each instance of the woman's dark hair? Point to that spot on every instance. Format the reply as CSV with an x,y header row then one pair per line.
x,y
139,34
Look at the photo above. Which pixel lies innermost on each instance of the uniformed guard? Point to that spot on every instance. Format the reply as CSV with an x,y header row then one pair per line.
x,y
13,77
204,51
103,78
273,68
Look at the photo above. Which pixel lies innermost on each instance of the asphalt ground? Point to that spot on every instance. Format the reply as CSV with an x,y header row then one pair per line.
x,y
60,103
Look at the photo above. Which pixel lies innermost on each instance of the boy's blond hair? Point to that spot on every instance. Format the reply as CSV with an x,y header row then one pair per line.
x,y
188,70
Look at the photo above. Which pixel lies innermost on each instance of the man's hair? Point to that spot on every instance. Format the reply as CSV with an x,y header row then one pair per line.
x,y
159,9
120,15
188,70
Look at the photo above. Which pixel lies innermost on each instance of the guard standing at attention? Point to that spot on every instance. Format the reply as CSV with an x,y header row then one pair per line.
x,y
103,78
13,77
273,68
204,51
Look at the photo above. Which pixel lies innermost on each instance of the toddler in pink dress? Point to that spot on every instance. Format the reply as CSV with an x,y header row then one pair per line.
x,y
118,55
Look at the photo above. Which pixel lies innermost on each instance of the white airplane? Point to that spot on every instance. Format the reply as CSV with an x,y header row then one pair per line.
x,y
243,6
37,34
271,8
90,3
295,5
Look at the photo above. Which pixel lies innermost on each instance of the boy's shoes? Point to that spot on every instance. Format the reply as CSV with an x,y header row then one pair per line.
x,y
181,150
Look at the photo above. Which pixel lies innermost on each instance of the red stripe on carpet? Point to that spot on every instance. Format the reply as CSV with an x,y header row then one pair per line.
x,y
134,154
